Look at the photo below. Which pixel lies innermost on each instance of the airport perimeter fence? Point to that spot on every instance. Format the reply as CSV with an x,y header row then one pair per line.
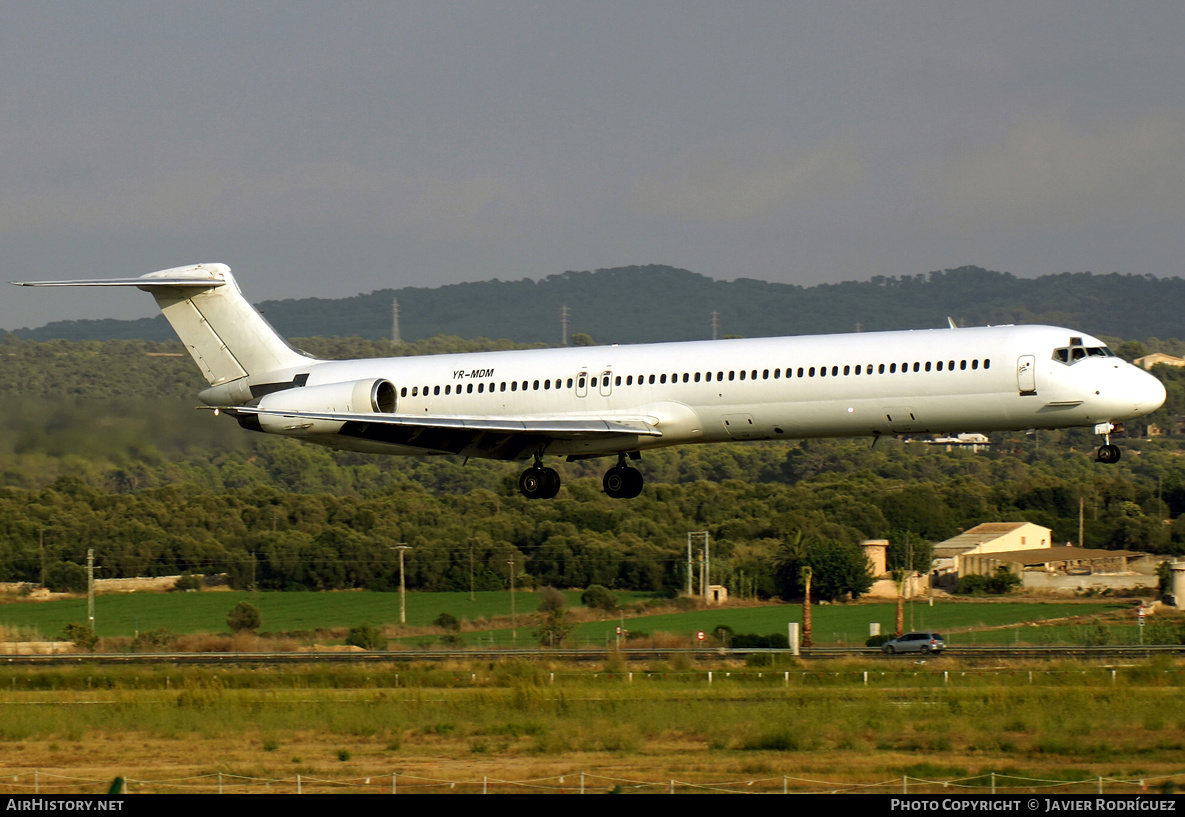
x,y
47,784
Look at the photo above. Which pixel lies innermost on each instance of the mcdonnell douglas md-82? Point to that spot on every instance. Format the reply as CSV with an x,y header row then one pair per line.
x,y
597,401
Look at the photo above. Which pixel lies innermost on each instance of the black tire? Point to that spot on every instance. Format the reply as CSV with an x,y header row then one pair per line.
x,y
888,649
552,479
534,484
633,483
614,482
1109,454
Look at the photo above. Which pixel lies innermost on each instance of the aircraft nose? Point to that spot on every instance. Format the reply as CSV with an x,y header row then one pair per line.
x,y
1147,393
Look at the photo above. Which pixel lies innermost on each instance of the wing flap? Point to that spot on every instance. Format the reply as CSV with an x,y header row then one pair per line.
x,y
551,427
498,438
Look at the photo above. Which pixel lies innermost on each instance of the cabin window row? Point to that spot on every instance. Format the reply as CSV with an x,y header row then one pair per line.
x,y
705,377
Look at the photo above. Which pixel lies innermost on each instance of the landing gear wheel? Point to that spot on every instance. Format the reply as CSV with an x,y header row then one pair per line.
x,y
539,483
623,482
1108,454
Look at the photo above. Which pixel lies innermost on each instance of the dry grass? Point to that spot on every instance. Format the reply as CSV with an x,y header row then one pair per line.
x,y
509,721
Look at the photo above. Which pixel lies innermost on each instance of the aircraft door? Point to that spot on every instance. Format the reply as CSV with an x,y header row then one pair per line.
x,y
582,384
606,385
1026,374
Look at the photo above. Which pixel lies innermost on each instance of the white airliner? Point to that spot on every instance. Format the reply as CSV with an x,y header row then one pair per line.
x,y
600,401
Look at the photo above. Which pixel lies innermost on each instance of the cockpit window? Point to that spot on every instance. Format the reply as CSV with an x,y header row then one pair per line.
x,y
1072,354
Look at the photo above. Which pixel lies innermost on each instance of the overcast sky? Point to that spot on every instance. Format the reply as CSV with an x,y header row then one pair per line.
x,y
326,149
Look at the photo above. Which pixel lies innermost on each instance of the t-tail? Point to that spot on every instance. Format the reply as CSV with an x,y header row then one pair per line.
x,y
225,335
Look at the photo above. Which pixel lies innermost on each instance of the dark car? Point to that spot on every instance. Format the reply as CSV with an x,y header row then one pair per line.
x,y
915,642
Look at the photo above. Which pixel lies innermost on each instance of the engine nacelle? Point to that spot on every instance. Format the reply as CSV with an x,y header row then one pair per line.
x,y
374,396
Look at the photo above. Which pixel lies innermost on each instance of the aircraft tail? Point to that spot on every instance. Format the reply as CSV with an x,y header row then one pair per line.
x,y
223,333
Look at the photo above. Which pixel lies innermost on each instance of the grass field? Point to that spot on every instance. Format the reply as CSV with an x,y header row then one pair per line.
x,y
962,622
546,727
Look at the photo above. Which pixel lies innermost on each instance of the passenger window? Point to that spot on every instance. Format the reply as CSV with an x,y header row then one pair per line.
x,y
927,365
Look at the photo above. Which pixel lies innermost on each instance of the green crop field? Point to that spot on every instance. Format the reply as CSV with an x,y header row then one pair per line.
x,y
126,614
962,622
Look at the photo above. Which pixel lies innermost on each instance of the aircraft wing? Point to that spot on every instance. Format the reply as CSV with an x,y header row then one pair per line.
x,y
506,438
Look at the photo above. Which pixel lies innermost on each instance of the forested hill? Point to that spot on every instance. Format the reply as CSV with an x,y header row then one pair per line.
x,y
655,303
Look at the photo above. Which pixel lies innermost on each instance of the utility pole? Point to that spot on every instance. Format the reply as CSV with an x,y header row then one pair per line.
x,y
564,313
513,630
402,587
90,587
715,323
472,595
703,584
395,338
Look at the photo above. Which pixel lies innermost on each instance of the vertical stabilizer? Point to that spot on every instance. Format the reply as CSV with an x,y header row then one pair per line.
x,y
225,335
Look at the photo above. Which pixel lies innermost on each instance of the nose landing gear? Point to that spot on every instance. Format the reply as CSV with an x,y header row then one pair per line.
x,y
1108,454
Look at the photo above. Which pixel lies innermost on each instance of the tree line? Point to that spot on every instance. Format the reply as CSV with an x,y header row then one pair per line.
x,y
100,447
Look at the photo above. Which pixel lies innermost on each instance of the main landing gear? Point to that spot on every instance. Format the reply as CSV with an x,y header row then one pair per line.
x,y
1108,454
621,481
538,482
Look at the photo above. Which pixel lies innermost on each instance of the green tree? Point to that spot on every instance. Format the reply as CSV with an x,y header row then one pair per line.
x,y
554,629
82,636
367,637
599,597
66,577
244,616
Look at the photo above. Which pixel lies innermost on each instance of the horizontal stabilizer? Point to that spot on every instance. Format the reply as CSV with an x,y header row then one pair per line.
x,y
143,283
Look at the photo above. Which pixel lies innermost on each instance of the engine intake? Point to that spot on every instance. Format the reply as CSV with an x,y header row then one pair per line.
x,y
375,396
